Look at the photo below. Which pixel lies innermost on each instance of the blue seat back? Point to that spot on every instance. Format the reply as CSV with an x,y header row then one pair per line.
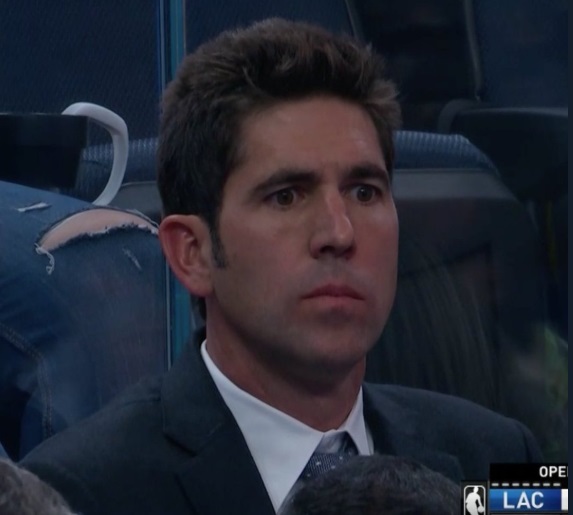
x,y
523,51
88,51
109,53
204,20
426,51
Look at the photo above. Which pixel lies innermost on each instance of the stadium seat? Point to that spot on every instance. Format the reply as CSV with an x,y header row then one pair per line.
x,y
426,51
523,127
111,54
523,51
204,20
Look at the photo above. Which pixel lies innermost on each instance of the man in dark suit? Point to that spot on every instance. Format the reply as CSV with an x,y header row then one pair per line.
x,y
275,165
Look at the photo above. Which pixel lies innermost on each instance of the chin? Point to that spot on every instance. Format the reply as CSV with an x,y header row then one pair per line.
x,y
337,356
323,375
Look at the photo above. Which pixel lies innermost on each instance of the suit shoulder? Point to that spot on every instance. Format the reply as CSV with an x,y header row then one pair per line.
x,y
134,412
427,401
82,461
474,434
448,414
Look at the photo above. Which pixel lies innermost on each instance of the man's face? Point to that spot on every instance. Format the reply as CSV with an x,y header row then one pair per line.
x,y
310,235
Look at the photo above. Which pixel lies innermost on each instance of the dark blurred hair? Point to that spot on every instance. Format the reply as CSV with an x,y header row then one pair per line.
x,y
376,485
23,493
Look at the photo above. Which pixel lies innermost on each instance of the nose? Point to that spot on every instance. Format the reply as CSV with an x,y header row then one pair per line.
x,y
332,229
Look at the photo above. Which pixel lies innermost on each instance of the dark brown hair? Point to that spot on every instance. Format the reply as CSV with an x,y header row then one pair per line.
x,y
245,71
23,493
374,485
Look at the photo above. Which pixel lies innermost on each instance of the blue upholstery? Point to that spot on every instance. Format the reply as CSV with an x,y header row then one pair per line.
x,y
424,45
413,150
523,49
509,53
205,20
95,167
429,150
89,51
77,324
105,53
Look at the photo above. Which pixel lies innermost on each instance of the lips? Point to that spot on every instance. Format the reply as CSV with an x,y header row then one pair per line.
x,y
334,290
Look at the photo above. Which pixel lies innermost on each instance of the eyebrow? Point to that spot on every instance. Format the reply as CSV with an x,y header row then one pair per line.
x,y
287,176
369,171
283,177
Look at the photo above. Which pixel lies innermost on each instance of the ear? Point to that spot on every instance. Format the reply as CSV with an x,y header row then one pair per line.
x,y
186,244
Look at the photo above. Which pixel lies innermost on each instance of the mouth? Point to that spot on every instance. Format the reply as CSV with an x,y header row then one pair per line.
x,y
334,291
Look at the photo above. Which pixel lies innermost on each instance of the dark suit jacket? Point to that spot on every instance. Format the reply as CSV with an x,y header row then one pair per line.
x,y
170,446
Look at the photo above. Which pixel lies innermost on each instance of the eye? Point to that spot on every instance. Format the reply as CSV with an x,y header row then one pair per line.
x,y
284,198
365,193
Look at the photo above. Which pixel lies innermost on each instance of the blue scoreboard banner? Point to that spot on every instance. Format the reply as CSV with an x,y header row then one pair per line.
x,y
526,500
518,488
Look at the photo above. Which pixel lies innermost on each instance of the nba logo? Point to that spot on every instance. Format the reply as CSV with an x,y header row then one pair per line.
x,y
474,500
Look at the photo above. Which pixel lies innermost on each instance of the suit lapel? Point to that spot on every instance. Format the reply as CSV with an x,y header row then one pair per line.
x,y
396,430
223,478
220,475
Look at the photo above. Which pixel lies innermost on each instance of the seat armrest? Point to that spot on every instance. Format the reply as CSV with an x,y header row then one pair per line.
x,y
140,196
528,145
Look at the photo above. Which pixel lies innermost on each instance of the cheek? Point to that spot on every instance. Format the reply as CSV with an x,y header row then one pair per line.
x,y
379,251
259,244
379,237
255,268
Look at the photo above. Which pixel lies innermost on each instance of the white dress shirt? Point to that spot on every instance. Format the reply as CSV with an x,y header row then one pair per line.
x,y
281,445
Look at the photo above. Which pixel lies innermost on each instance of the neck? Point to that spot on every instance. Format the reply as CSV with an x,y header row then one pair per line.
x,y
316,395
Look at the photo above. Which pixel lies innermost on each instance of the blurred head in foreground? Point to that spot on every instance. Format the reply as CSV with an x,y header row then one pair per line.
x,y
22,493
376,485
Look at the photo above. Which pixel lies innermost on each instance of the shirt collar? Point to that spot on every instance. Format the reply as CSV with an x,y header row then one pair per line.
x,y
273,437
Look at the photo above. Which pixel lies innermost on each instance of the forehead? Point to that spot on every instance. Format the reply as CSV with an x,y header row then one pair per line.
x,y
318,133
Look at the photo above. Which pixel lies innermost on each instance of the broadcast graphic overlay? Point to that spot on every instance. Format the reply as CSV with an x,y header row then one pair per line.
x,y
518,488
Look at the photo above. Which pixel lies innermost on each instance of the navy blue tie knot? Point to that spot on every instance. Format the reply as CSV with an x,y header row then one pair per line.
x,y
321,462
